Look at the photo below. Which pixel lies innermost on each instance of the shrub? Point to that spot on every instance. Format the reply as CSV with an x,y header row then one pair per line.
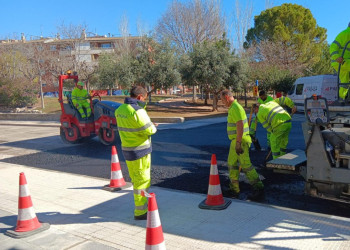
x,y
17,92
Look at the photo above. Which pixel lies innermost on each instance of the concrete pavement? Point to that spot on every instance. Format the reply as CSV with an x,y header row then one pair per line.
x,y
83,216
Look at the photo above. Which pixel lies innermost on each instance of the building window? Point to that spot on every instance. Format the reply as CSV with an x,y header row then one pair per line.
x,y
106,45
53,47
67,48
83,46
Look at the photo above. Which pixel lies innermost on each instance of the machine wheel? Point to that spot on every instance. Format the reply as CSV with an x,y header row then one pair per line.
x,y
70,135
106,136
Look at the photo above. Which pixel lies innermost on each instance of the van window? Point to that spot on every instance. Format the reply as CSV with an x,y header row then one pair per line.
x,y
299,89
291,91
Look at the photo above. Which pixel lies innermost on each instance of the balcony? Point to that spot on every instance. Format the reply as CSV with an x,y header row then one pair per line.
x,y
92,50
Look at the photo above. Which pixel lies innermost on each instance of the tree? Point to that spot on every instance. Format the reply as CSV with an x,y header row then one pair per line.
x,y
106,71
10,61
287,35
210,66
125,70
164,66
324,65
37,55
18,92
238,75
156,65
87,72
75,36
241,21
188,23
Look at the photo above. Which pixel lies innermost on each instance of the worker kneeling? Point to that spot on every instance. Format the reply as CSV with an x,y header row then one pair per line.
x,y
277,121
79,99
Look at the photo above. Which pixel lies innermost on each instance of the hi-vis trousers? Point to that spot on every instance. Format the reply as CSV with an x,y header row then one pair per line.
x,y
279,139
343,76
140,174
245,164
81,107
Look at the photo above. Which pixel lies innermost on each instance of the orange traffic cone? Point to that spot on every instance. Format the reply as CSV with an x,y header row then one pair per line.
x,y
154,233
117,180
27,222
214,200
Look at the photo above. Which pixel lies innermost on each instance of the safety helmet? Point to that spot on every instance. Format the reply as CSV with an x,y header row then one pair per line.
x,y
80,83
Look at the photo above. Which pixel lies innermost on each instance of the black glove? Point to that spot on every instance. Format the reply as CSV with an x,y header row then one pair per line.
x,y
239,149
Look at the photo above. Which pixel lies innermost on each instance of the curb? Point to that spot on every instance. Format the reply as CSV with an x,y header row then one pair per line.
x,y
7,117
29,117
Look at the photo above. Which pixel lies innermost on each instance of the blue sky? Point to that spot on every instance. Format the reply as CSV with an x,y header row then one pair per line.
x,y
39,17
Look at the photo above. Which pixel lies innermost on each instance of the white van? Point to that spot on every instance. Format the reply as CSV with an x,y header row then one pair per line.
x,y
321,85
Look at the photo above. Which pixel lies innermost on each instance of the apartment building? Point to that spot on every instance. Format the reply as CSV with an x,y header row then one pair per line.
x,y
50,56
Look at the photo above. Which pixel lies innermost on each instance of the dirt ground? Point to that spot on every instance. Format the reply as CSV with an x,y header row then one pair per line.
x,y
185,107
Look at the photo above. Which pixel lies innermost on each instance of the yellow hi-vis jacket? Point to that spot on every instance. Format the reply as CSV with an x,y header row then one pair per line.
x,y
285,101
336,50
79,96
271,115
337,46
268,99
236,113
135,129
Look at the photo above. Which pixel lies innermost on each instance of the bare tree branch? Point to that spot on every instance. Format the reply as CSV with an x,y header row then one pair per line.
x,y
191,22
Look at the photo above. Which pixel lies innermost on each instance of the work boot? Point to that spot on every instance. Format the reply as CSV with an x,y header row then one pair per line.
x,y
257,194
140,217
235,195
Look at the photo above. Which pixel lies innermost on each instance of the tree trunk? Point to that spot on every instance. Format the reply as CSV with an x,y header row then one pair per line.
x,y
206,98
245,97
41,93
194,94
88,86
215,102
149,92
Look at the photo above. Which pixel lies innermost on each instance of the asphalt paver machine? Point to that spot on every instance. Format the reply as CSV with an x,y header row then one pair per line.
x,y
325,163
74,129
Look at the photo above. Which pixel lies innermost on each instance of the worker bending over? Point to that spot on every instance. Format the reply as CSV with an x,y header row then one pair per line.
x,y
285,102
263,98
277,121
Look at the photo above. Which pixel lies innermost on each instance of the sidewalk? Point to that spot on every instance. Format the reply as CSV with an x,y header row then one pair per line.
x,y
83,216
